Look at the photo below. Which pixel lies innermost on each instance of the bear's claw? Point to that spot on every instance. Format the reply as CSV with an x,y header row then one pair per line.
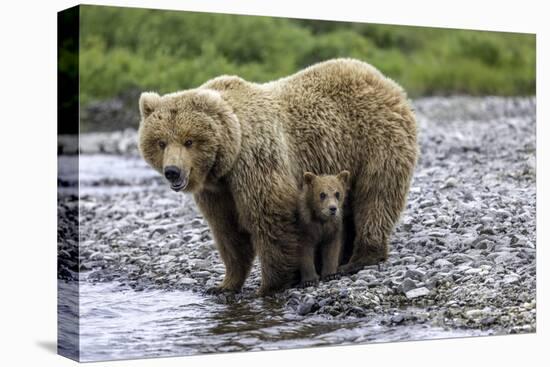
x,y
330,277
219,290
309,283
350,269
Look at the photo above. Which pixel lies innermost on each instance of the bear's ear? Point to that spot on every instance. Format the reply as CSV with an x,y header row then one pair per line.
x,y
309,177
344,177
148,102
208,100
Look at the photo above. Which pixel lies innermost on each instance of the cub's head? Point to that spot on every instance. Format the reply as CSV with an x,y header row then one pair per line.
x,y
324,195
192,138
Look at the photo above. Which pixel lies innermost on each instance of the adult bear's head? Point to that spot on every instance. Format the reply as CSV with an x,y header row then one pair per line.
x,y
192,137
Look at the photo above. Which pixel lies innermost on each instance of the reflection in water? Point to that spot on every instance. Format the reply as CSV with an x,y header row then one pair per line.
x,y
67,318
117,323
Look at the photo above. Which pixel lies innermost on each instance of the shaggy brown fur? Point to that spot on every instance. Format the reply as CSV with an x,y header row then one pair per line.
x,y
321,221
251,143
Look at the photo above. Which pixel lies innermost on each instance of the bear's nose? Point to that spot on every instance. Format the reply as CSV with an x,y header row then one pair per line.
x,y
172,173
333,209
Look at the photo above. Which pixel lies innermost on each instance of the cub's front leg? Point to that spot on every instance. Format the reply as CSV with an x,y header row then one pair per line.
x,y
331,257
233,243
308,273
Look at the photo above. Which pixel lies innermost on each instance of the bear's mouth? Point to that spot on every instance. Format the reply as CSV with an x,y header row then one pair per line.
x,y
180,184
331,216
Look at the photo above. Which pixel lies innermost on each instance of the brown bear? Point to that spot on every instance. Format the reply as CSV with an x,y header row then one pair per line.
x,y
241,148
321,211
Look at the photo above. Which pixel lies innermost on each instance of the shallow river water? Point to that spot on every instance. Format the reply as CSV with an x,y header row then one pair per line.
x,y
120,323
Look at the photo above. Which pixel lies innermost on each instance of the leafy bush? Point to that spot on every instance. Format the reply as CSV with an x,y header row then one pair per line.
x,y
124,49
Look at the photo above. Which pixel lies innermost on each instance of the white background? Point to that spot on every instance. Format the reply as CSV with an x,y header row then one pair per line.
x,y
28,181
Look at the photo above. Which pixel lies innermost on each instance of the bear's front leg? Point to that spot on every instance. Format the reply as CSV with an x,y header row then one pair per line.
x,y
268,208
279,259
233,243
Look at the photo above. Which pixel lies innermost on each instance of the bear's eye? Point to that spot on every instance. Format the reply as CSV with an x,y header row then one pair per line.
x,y
162,145
323,196
337,195
188,143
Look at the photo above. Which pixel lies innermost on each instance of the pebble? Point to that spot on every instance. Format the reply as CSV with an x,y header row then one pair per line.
x,y
473,314
188,281
416,274
202,274
306,306
511,279
473,271
397,319
407,285
96,256
418,292
443,220
408,260
442,263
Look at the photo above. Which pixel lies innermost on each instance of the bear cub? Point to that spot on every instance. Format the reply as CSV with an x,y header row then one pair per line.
x,y
321,212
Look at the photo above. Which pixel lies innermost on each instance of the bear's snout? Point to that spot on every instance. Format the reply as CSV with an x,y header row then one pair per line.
x,y
172,173
177,177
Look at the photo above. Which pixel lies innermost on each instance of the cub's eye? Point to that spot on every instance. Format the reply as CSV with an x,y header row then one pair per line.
x,y
323,196
188,143
337,194
162,145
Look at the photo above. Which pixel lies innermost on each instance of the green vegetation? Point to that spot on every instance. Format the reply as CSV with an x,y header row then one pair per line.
x,y
123,49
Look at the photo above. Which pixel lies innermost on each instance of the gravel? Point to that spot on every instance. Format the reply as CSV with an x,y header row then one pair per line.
x,y
462,255
418,292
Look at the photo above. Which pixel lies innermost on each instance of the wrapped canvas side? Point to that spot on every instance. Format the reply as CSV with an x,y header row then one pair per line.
x,y
67,184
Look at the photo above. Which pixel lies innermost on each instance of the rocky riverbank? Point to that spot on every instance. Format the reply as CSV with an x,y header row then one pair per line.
x,y
462,255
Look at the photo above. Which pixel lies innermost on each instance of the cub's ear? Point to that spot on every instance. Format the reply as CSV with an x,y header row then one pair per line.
x,y
344,177
208,100
148,102
309,177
